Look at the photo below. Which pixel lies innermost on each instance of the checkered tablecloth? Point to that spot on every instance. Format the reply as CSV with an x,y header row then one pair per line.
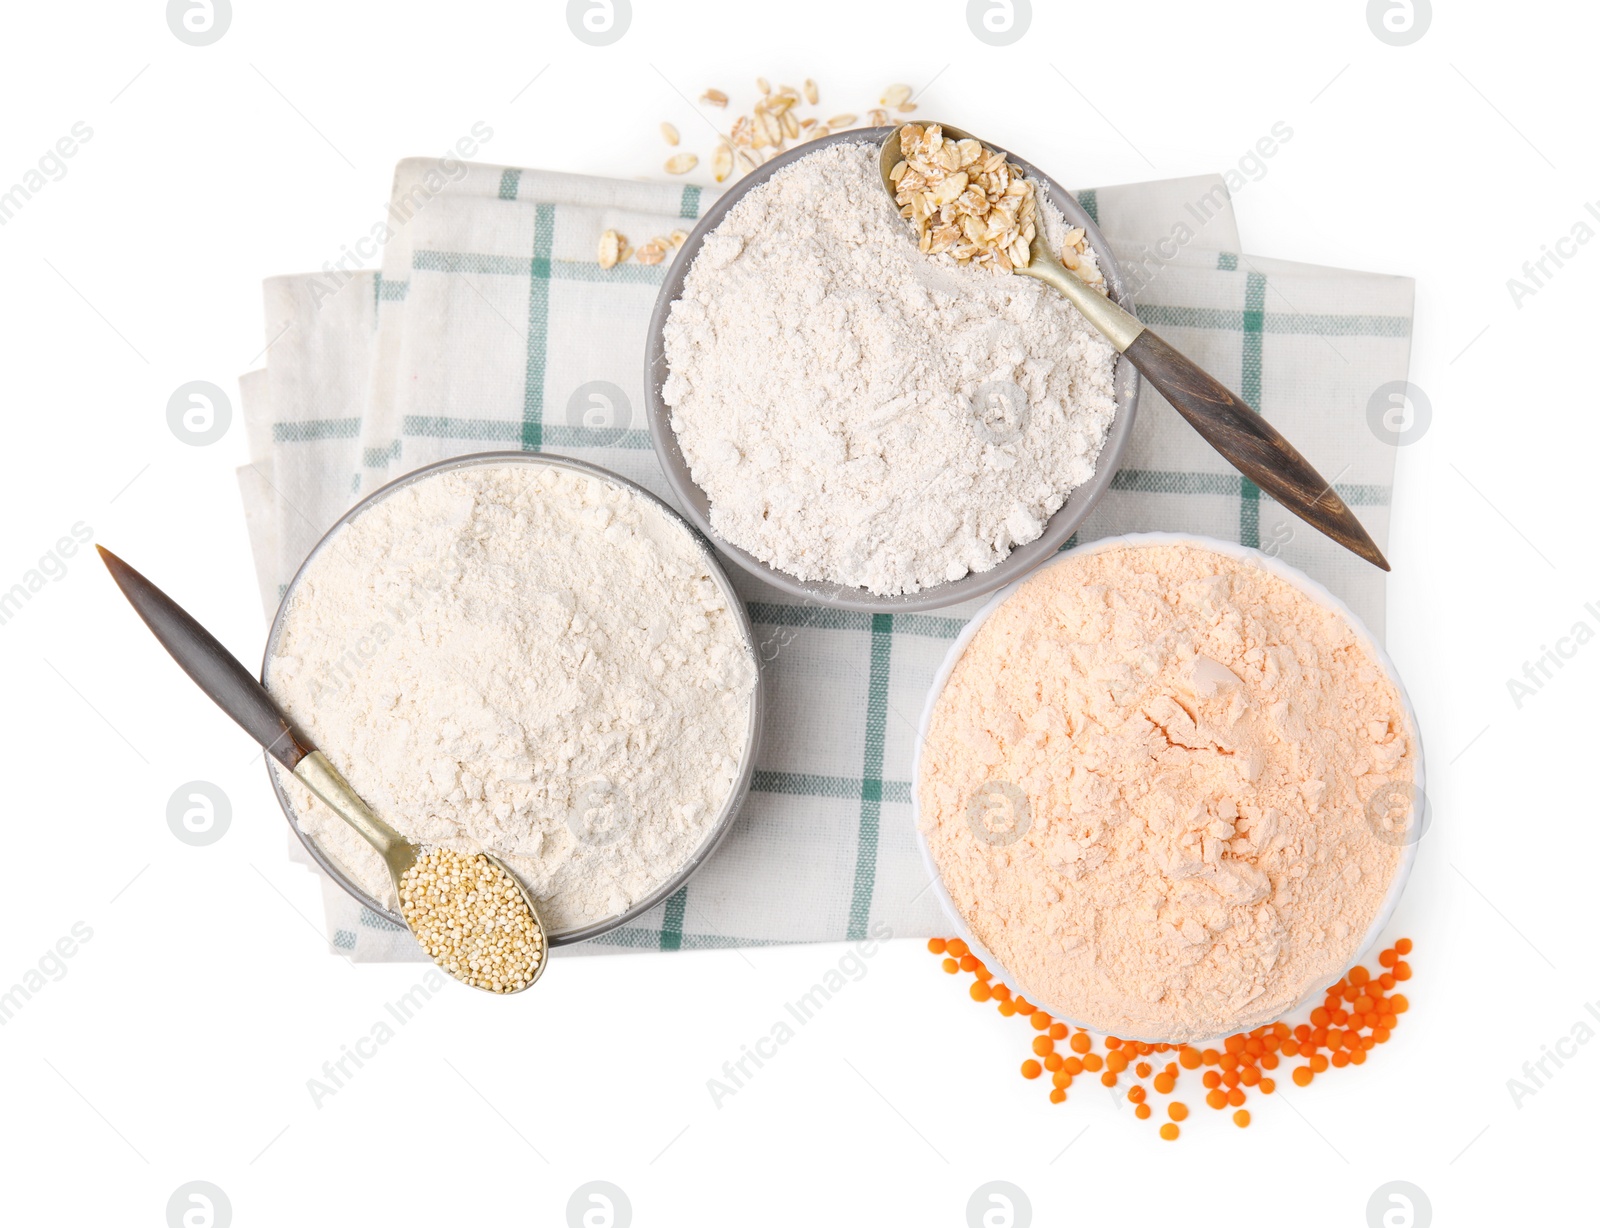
x,y
491,326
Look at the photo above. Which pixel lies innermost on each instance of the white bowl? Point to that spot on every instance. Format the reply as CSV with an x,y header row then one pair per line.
x,y
1415,825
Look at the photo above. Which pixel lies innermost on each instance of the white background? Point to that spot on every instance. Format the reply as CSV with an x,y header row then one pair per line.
x,y
178,1044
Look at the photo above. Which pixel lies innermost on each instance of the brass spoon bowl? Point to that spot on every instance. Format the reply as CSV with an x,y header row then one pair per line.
x,y
1120,327
233,689
1226,421
399,854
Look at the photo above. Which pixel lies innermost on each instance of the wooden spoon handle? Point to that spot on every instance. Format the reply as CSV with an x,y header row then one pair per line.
x,y
214,669
1250,443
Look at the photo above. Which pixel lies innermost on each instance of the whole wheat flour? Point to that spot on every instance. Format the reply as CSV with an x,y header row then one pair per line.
x,y
526,660
864,415
1147,788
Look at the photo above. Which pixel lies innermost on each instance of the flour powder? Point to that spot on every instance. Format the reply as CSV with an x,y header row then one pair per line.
x,y
864,415
1167,790
527,660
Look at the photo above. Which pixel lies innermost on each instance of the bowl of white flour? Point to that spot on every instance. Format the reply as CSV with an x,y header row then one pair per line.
x,y
867,427
529,655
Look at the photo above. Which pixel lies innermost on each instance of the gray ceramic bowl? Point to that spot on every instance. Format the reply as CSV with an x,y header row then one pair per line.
x,y
1021,560
752,743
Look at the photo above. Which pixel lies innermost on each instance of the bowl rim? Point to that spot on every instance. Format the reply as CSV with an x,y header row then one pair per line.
x,y
734,802
1242,553
1066,520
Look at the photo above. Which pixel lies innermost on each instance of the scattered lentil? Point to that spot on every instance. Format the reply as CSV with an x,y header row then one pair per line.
x,y
1333,1039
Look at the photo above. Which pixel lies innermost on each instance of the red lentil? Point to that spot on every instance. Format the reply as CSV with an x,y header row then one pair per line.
x,y
1360,1012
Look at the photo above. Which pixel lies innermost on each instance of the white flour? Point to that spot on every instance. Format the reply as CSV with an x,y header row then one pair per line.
x,y
527,660
861,414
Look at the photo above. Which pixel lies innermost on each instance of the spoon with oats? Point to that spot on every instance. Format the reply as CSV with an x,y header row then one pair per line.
x,y
965,198
466,910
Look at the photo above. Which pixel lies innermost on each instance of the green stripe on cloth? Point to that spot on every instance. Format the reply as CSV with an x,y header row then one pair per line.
x,y
872,776
822,617
544,233
559,435
1364,494
630,274
689,206
1156,482
393,291
804,784
472,262
1089,199
1255,310
554,435
672,919
314,429
932,627
381,458
825,618
509,179
1159,315
640,939
481,430
1227,261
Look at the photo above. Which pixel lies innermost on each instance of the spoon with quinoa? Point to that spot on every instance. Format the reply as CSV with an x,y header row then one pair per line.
x,y
969,201
466,910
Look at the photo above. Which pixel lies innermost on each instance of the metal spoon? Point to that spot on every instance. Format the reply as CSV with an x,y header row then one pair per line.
x,y
218,673
1244,438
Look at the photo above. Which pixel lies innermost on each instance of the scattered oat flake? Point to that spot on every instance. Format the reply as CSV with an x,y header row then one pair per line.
x,y
611,245
678,238
651,253
775,123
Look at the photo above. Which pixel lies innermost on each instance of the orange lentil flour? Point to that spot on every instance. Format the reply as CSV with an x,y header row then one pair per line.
x,y
1359,1013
